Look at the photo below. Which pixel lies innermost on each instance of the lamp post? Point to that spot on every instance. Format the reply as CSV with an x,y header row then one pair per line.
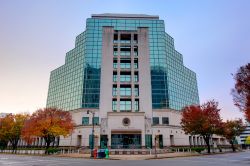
x,y
93,130
155,147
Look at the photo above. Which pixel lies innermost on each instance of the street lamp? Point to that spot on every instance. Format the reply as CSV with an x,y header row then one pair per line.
x,y
155,146
92,144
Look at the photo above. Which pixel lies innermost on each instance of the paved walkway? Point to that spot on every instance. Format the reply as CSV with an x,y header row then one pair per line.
x,y
133,157
228,159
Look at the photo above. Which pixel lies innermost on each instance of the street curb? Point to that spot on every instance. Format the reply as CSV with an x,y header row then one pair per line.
x,y
150,158
211,154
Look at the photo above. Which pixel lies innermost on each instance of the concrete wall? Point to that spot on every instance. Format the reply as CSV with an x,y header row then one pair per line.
x,y
106,72
137,123
144,72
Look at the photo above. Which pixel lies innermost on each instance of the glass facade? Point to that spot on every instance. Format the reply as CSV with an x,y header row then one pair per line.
x,y
76,84
126,141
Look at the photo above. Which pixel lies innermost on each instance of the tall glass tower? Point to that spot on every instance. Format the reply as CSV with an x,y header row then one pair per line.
x,y
125,70
144,64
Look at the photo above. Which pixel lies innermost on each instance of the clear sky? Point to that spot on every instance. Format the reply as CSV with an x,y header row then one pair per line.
x,y
212,35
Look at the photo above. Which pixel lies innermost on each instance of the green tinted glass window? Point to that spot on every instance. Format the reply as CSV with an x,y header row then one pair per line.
x,y
156,120
85,120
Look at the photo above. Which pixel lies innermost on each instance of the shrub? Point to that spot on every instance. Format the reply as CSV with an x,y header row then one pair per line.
x,y
198,149
53,150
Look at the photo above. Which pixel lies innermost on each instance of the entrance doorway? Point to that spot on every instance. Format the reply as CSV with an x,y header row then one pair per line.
x,y
104,141
126,140
79,140
171,140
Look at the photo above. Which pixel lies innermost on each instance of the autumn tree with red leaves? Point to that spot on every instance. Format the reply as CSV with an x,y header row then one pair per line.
x,y
232,129
202,120
48,123
241,91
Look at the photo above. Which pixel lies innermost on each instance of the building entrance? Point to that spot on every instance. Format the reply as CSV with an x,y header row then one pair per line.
x,y
125,141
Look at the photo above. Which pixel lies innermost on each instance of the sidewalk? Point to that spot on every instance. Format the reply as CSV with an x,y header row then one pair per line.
x,y
133,157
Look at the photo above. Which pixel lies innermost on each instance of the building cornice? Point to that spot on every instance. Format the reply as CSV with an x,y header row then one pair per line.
x,y
124,16
126,113
167,110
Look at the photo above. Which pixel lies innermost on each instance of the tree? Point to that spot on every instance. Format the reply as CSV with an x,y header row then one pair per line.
x,y
241,91
48,123
232,129
202,120
11,127
247,142
3,139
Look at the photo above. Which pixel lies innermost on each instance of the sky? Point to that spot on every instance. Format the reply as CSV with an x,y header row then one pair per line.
x,y
212,35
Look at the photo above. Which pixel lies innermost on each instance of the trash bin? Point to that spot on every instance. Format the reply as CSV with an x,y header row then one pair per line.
x,y
107,153
101,153
95,153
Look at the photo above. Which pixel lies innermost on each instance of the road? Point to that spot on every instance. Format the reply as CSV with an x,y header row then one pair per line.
x,y
229,159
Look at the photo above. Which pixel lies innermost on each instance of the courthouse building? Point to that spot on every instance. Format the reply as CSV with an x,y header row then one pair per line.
x,y
125,77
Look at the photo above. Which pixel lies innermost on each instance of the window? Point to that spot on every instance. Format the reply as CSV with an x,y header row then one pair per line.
x,y
135,50
125,38
114,76
136,63
136,90
136,79
115,38
114,91
125,64
165,120
125,77
125,105
155,120
96,120
125,50
85,120
125,90
114,105
135,38
115,50
115,64
136,105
